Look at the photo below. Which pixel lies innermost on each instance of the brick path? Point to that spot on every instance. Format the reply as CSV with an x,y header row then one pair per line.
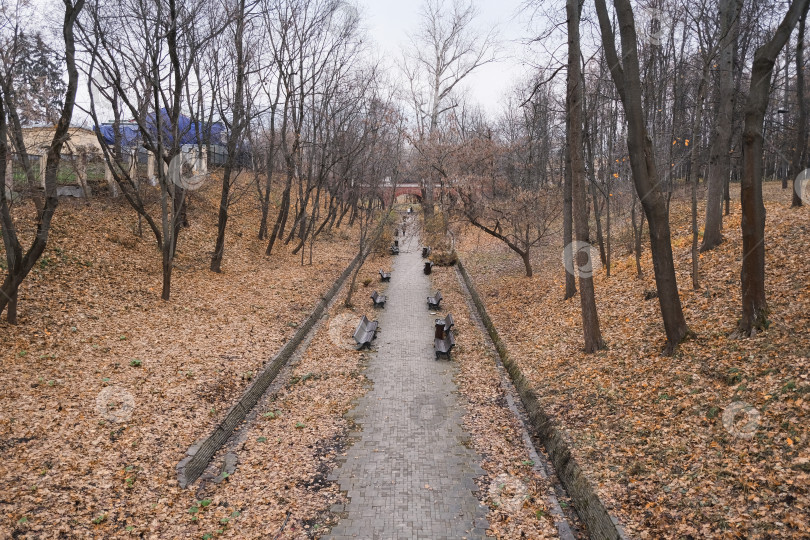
x,y
409,473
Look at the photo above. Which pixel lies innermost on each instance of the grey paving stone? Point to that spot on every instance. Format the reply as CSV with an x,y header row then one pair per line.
x,y
408,475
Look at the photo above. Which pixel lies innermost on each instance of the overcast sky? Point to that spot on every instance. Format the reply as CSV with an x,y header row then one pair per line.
x,y
389,22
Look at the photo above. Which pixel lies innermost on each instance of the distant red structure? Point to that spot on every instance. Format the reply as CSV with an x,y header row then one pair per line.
x,y
408,188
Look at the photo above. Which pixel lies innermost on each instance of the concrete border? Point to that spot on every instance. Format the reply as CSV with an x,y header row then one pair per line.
x,y
590,508
201,453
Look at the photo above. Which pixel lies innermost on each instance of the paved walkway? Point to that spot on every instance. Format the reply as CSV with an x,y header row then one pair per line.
x,y
408,473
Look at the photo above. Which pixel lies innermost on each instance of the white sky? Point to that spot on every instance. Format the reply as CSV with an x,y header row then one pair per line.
x,y
389,22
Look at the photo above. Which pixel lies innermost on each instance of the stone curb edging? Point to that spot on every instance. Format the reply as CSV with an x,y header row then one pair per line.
x,y
200,454
601,525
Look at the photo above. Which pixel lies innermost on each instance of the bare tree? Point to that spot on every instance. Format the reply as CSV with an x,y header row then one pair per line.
x,y
719,152
708,44
522,219
21,262
752,276
626,77
155,42
443,52
799,157
574,106
236,123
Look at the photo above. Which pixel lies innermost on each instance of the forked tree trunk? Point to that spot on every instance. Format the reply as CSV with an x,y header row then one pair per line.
x,y
20,263
752,276
278,228
626,76
590,318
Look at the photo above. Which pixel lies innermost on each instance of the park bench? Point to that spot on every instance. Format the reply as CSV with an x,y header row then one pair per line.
x,y
394,249
428,267
433,301
379,299
444,345
425,251
444,325
365,332
385,276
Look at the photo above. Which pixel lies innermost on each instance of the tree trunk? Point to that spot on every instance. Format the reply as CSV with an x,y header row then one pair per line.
x,y
600,237
638,230
720,148
278,228
20,265
222,221
693,176
167,271
428,199
607,229
799,154
626,77
594,189
575,91
568,223
752,276
527,262
234,137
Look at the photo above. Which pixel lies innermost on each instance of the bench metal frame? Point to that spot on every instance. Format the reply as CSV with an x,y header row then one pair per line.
x,y
435,300
445,345
378,299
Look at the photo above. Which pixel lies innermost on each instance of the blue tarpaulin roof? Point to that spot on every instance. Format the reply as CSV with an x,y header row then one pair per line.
x,y
188,131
